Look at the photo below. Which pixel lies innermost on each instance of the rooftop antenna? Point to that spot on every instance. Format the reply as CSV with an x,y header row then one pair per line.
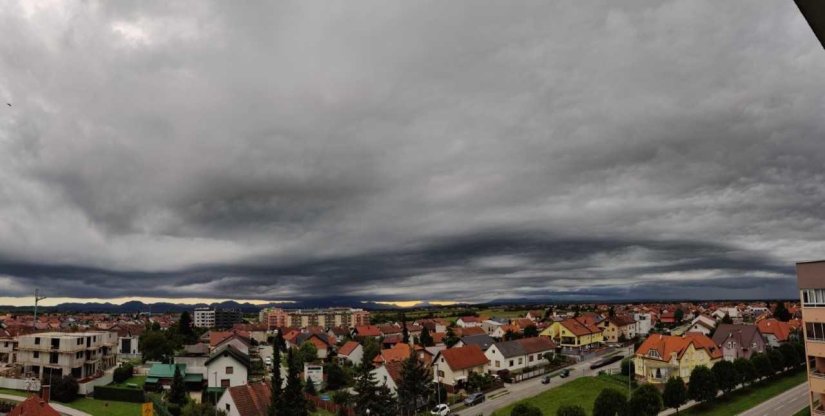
x,y
37,299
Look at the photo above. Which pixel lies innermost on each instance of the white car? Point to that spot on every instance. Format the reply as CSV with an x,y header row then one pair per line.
x,y
440,410
268,361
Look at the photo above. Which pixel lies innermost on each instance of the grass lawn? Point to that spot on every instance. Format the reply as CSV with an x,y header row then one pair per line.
x,y
14,392
105,407
581,391
321,412
744,399
804,412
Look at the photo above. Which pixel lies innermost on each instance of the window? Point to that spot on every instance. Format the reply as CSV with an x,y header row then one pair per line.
x,y
498,364
520,360
227,408
440,373
36,340
36,354
531,359
511,363
230,370
225,383
815,331
813,297
653,353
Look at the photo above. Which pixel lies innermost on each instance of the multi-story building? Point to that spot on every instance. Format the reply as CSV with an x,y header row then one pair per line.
x,y
216,317
811,282
303,318
79,354
204,318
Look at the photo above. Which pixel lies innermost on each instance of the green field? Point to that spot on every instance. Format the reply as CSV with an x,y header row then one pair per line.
x,y
804,412
749,397
105,408
581,391
137,380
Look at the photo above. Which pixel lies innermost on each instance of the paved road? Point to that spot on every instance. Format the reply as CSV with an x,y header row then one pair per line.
x,y
533,387
785,404
57,406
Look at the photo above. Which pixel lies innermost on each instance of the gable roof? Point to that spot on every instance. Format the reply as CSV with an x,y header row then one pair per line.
x,y
470,331
781,330
621,320
228,351
348,348
666,345
742,334
470,319
580,327
367,331
398,353
217,338
465,357
251,399
524,346
159,370
482,340
33,406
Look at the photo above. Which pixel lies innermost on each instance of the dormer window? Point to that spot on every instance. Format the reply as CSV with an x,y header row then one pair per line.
x,y
653,353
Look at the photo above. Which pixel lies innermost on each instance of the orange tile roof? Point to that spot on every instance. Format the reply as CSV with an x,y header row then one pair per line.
x,y
475,330
398,353
33,406
465,357
666,345
580,327
251,399
781,330
367,331
348,348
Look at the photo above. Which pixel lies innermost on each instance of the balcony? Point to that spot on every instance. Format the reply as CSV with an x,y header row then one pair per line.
x,y
817,374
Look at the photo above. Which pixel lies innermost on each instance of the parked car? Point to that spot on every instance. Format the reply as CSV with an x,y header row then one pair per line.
x,y
474,398
606,361
440,410
545,380
565,373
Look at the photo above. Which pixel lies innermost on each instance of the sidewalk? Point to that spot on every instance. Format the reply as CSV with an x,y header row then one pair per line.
x,y
57,406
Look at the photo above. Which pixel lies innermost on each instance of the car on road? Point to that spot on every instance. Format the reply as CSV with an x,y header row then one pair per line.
x,y
474,398
565,373
545,380
440,410
606,361
268,361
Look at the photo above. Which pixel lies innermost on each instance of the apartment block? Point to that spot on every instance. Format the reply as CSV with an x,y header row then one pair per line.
x,y
326,318
79,354
204,318
811,282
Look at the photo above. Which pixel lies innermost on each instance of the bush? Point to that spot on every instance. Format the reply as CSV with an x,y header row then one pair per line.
x,y
571,410
64,389
123,373
522,409
609,403
119,394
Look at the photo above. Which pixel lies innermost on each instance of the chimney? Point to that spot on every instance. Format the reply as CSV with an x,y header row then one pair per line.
x,y
45,392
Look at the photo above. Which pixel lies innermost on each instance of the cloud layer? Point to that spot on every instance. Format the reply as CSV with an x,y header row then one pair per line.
x,y
410,150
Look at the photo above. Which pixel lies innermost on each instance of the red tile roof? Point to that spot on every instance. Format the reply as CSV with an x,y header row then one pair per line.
x,y
251,399
398,353
474,330
465,357
580,327
33,406
781,330
665,345
367,331
348,348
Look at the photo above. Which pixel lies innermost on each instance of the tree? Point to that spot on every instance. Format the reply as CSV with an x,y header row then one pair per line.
x,y
64,389
746,370
531,331
177,391
679,315
762,364
789,355
122,373
702,385
413,386
426,339
675,394
336,377
185,326
628,366
405,333
449,338
295,402
276,384
646,401
371,350
570,410
377,399
201,409
610,402
781,312
523,409
777,360
307,353
309,388
156,346
726,376
726,319
280,342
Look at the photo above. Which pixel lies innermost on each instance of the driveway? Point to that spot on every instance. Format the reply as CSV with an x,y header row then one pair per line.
x,y
533,387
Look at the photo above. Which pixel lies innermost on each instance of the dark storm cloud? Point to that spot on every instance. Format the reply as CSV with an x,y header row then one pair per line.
x,y
367,150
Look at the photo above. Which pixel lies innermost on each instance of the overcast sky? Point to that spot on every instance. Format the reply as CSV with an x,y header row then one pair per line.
x,y
406,150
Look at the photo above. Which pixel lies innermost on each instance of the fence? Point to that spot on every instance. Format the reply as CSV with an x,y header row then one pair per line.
x,y
328,405
89,386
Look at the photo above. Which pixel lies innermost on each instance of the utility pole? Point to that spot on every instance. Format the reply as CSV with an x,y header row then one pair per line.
x,y
36,300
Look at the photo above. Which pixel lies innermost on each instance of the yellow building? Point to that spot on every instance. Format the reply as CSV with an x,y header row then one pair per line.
x,y
575,333
663,356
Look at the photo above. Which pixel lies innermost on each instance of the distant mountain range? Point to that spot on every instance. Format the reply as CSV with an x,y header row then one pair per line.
x,y
167,307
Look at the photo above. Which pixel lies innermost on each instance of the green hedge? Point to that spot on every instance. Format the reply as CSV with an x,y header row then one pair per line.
x,y
119,394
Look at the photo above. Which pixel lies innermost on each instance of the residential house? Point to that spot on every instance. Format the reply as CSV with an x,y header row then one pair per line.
x,y
398,353
618,328
227,367
160,377
33,406
321,342
703,324
775,331
366,331
575,334
389,374
645,321
469,331
246,400
517,354
489,326
79,354
739,340
535,315
128,340
238,339
454,365
501,332
663,356
352,352
468,321
194,357
338,333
